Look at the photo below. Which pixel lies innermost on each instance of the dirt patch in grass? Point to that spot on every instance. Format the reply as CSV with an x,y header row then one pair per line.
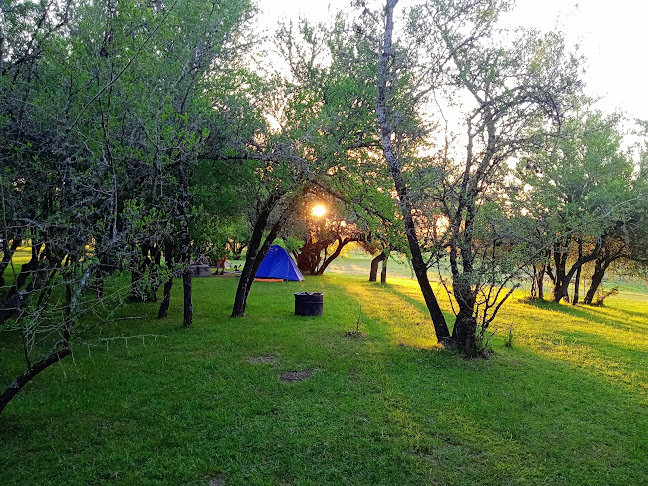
x,y
355,334
264,359
217,481
290,376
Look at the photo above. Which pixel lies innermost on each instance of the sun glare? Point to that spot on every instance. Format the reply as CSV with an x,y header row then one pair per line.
x,y
318,211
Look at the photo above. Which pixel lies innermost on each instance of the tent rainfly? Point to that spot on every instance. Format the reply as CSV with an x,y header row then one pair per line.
x,y
278,264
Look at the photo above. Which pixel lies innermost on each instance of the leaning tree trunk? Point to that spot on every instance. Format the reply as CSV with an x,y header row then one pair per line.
x,y
597,277
327,260
53,357
383,272
263,251
373,273
7,254
27,269
420,269
253,256
19,383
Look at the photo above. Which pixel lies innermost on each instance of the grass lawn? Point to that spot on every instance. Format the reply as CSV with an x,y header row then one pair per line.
x,y
567,404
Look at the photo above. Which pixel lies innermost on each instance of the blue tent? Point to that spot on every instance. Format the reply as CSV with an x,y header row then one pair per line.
x,y
278,264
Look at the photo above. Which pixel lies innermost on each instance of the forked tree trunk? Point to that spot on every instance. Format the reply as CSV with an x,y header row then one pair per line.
x,y
420,269
373,272
255,254
7,254
27,269
383,272
563,278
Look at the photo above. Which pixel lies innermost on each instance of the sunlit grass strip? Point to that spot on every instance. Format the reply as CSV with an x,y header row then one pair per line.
x,y
408,325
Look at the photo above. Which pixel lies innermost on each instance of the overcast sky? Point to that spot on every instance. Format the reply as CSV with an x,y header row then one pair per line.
x,y
610,33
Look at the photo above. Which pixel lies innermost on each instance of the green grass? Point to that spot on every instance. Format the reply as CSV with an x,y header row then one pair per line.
x,y
567,404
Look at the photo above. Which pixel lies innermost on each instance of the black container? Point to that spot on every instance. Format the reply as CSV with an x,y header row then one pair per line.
x,y
309,303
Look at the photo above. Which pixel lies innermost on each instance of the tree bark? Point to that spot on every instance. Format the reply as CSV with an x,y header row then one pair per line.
x,y
373,272
578,274
154,269
263,251
327,261
383,272
540,281
563,278
27,269
19,383
185,246
187,299
163,312
386,131
252,260
600,268
7,254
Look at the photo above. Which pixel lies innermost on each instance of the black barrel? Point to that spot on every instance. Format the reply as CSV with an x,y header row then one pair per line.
x,y
309,303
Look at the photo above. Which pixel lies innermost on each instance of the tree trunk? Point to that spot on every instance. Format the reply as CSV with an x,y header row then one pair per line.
x,y
597,277
263,251
309,256
253,258
187,299
559,290
540,281
420,269
373,273
163,312
18,384
7,253
465,334
26,270
327,261
185,243
383,272
185,258
563,278
154,272
578,274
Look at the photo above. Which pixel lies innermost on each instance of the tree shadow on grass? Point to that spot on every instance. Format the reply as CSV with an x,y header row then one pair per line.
x,y
396,290
543,422
408,318
586,313
521,418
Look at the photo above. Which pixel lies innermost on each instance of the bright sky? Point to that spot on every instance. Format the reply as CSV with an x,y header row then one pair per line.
x,y
610,34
